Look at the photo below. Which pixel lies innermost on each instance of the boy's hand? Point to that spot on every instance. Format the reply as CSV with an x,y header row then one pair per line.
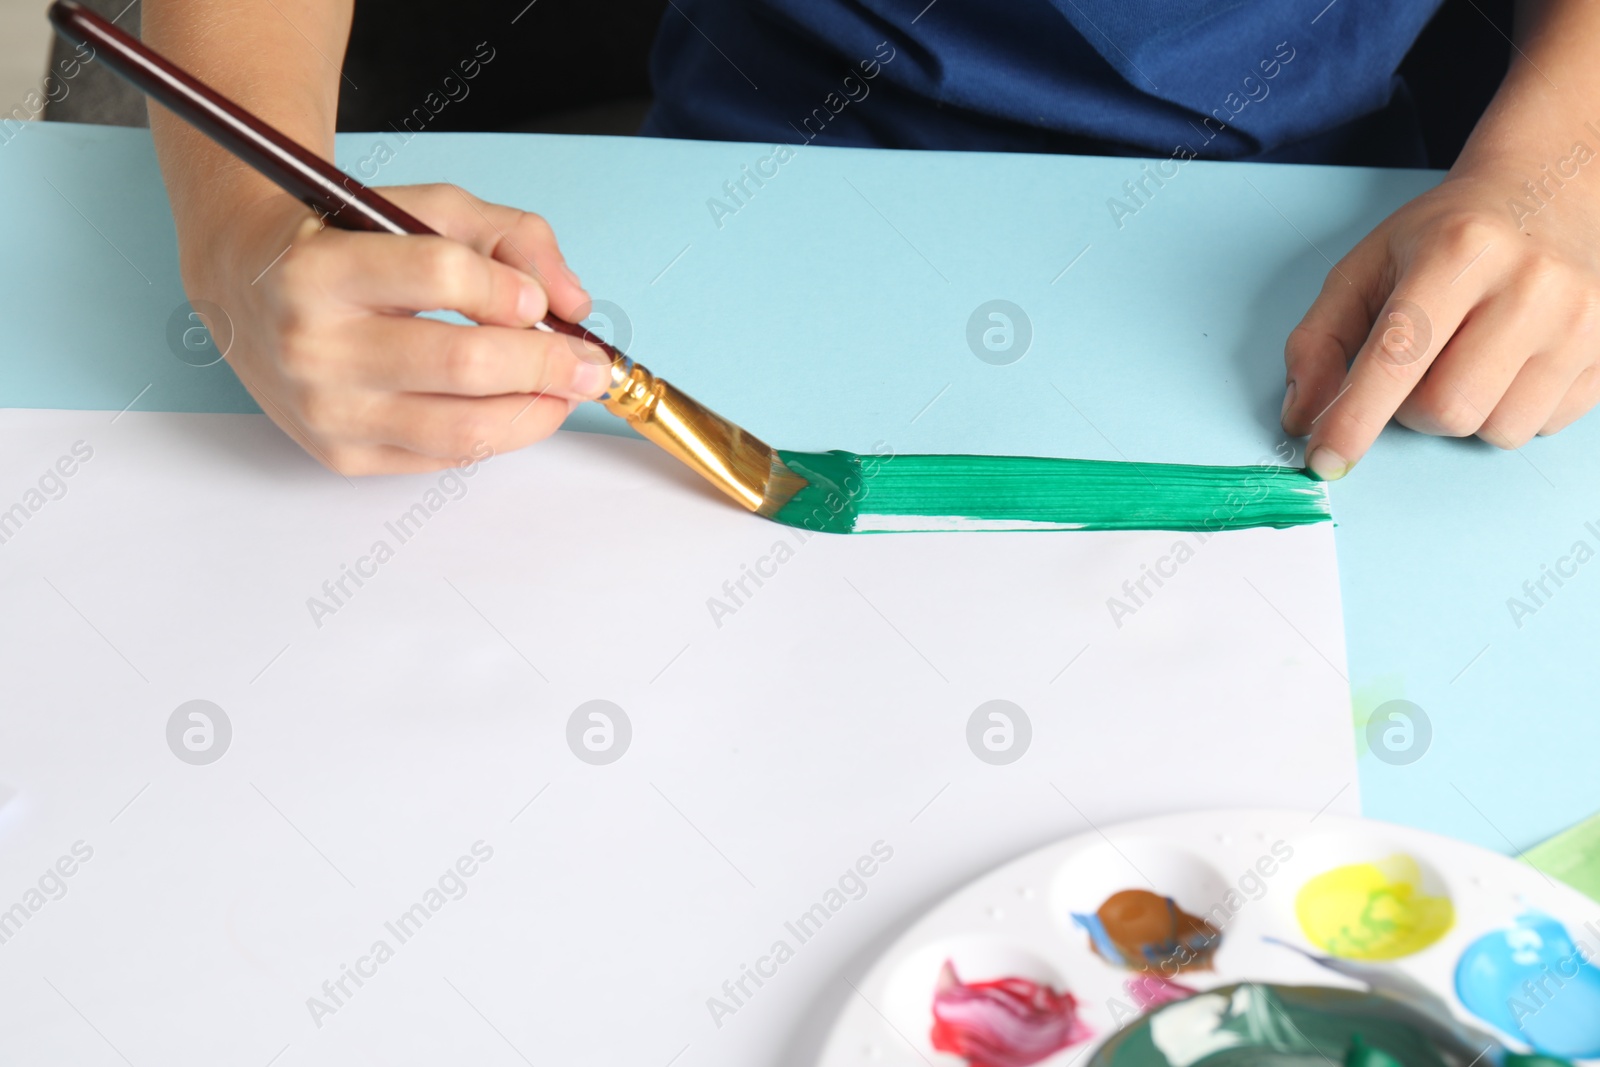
x,y
1463,312
326,339
1455,320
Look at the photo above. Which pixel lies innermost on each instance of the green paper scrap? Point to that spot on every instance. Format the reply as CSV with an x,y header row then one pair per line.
x,y
1572,856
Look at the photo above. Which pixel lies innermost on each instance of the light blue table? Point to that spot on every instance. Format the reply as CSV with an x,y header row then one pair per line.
x,y
832,309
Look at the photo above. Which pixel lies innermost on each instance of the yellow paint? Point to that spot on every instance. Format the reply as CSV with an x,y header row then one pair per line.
x,y
1372,911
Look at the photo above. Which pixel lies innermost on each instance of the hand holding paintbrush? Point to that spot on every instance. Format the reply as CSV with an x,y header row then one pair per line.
x,y
447,392
317,323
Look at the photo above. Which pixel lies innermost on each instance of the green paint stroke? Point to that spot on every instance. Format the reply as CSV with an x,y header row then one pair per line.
x,y
849,493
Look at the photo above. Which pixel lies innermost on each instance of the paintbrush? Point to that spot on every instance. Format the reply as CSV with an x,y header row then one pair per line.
x,y
737,462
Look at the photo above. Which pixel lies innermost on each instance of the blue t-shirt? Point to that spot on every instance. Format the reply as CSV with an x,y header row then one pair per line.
x,y
1283,80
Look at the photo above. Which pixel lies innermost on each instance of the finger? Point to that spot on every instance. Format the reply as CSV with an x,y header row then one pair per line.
x,y
460,428
1472,373
1319,350
413,273
1531,399
412,355
1420,315
515,237
528,243
1580,398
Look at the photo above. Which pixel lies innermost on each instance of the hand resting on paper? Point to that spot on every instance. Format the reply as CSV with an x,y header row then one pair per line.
x,y
1475,308
326,338
1459,324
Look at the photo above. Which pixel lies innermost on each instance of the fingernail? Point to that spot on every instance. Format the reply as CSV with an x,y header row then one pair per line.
x,y
571,277
1326,465
1288,401
591,380
531,303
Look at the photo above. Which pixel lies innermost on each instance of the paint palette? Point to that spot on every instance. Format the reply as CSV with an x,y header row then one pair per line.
x,y
1233,939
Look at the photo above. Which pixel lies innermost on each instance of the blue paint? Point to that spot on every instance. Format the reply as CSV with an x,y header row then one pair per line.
x,y
1103,944
1532,980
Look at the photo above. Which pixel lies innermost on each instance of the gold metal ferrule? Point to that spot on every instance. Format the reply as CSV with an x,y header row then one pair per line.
x,y
728,457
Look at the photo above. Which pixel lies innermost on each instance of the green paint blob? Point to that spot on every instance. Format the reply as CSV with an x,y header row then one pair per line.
x,y
1532,1059
1251,1025
1361,1054
849,493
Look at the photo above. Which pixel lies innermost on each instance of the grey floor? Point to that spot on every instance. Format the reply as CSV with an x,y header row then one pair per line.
x,y
24,46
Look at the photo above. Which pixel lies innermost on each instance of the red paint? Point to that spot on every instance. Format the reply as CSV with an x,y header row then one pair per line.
x,y
1009,1022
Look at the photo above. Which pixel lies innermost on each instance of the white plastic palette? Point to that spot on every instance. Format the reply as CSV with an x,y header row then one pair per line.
x,y
1017,921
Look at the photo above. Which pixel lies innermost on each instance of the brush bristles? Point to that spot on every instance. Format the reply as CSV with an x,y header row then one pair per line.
x,y
782,485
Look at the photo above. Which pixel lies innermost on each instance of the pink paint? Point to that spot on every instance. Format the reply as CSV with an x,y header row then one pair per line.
x,y
1152,990
1009,1022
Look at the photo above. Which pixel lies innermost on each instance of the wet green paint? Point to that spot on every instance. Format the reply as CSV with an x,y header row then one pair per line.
x,y
1254,1025
850,493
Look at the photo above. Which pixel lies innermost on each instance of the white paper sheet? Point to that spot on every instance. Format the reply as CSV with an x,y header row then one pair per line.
x,y
772,745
